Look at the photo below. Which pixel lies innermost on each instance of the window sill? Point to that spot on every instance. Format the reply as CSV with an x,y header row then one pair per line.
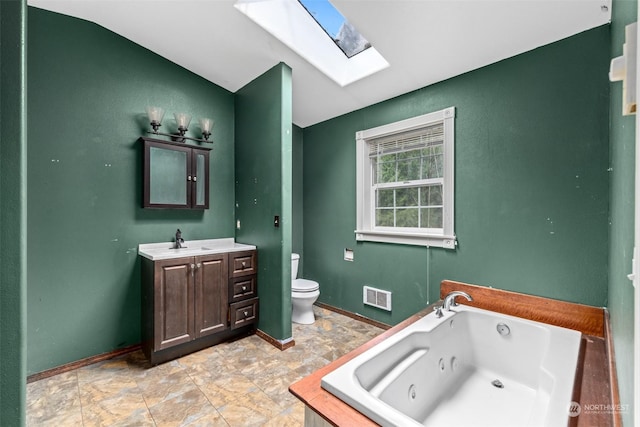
x,y
417,239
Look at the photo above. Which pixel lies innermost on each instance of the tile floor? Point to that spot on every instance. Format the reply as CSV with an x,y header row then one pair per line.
x,y
243,383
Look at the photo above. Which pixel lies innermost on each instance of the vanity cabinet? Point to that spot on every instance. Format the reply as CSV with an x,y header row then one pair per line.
x,y
176,175
187,304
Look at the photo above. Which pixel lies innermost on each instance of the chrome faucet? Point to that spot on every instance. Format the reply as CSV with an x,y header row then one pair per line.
x,y
450,299
179,239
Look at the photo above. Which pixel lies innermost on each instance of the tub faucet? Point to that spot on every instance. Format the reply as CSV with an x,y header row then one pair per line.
x,y
450,299
179,239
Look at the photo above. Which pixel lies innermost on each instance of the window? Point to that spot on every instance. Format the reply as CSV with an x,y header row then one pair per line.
x,y
405,181
343,34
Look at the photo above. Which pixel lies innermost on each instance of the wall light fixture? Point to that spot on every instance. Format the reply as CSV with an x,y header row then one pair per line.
x,y
156,115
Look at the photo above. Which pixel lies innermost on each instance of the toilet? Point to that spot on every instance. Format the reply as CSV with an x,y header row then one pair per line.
x,y
303,294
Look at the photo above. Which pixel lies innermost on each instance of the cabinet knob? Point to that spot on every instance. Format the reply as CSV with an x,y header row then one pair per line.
x,y
244,264
195,178
244,288
193,266
188,177
198,265
246,313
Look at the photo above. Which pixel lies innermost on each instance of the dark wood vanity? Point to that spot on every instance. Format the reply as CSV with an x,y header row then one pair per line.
x,y
193,302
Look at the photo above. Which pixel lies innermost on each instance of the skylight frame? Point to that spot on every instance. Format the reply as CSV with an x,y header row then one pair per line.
x,y
289,22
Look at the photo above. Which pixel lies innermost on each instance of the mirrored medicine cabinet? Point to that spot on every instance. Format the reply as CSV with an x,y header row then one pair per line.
x,y
176,175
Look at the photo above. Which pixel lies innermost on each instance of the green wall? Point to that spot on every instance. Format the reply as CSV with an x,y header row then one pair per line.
x,y
531,185
13,205
263,190
88,91
621,234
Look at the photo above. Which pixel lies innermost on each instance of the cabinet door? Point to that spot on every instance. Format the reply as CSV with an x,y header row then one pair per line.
x,y
200,177
173,302
211,300
167,179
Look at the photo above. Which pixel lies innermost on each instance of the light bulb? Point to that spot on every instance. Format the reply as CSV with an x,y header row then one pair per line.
x,y
206,124
155,115
183,120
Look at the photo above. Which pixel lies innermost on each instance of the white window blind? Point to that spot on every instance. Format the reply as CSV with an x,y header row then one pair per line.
x,y
413,140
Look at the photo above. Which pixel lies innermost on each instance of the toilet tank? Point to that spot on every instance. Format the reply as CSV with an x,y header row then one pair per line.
x,y
295,258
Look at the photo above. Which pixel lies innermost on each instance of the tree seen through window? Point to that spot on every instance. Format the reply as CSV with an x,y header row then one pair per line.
x,y
408,188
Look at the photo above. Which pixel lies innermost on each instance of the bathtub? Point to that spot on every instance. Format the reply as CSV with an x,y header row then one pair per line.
x,y
471,367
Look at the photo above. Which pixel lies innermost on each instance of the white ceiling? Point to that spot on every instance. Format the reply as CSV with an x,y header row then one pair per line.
x,y
425,41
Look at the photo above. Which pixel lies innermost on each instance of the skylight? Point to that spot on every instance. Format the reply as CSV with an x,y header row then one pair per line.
x,y
343,34
289,22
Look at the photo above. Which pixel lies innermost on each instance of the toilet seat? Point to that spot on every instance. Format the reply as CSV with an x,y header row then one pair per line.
x,y
304,286
302,296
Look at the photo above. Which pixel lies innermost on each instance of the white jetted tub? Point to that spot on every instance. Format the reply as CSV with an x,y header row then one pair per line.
x,y
471,367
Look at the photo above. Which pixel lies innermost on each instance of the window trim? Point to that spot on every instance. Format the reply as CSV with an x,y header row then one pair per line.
x,y
365,229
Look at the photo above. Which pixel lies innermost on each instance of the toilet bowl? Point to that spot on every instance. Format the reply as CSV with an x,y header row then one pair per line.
x,y
303,294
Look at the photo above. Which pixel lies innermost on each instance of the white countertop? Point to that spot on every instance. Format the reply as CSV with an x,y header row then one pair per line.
x,y
167,250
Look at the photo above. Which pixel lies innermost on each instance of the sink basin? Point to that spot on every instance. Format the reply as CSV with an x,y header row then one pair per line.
x,y
167,250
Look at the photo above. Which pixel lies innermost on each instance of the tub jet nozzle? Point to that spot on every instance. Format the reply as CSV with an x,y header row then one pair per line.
x,y
503,329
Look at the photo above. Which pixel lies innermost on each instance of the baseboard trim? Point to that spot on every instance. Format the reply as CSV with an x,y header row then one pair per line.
x,y
82,362
355,316
613,373
279,344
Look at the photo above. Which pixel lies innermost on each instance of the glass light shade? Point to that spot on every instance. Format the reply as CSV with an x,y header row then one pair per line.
x,y
155,114
182,120
206,125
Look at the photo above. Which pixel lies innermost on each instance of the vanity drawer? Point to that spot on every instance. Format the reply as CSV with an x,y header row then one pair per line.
x,y
241,288
243,313
243,263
